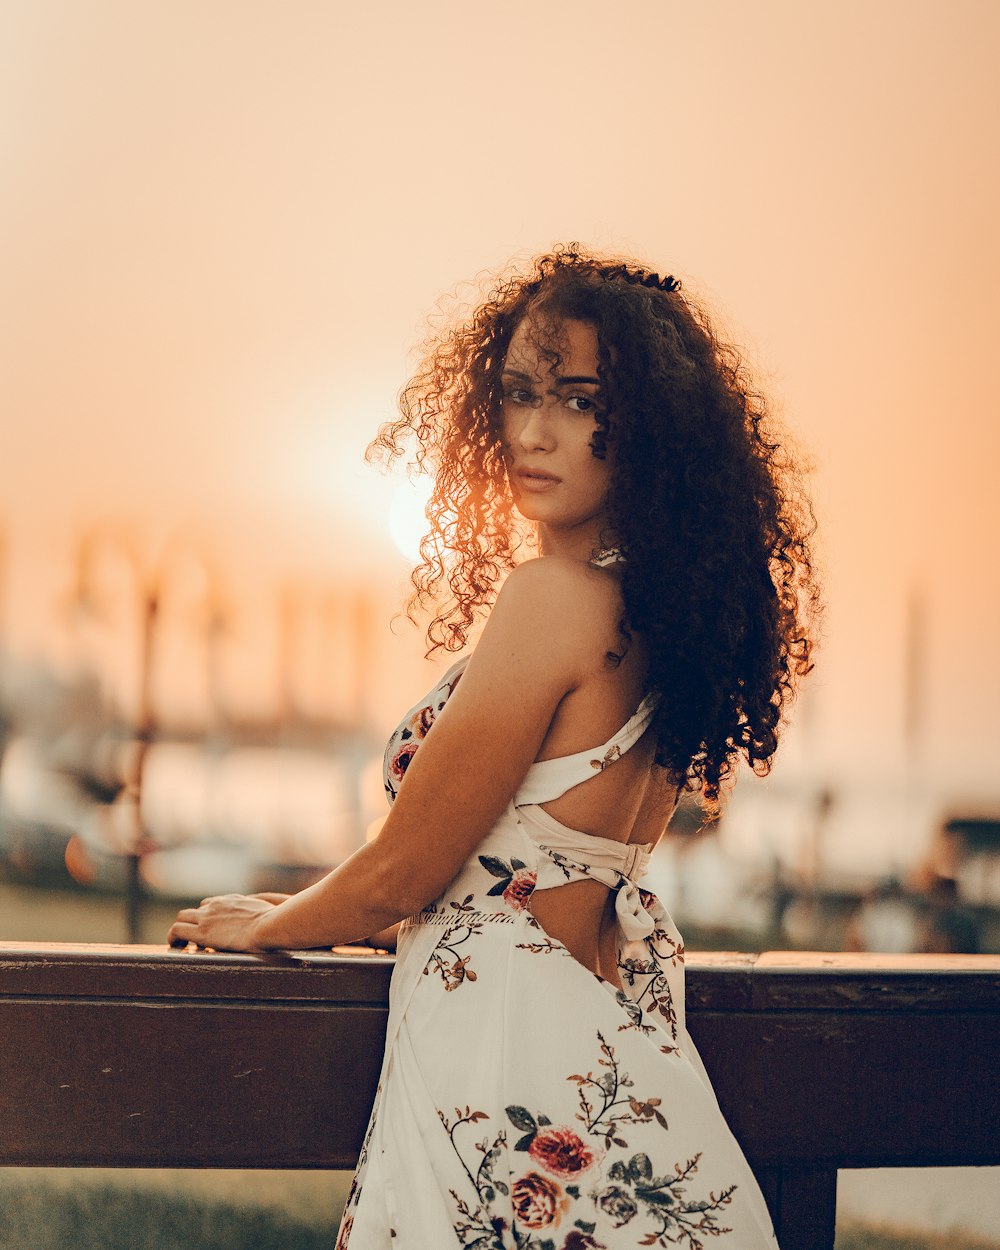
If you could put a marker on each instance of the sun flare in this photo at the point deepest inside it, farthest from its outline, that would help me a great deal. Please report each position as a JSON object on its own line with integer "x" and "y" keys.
{"x": 407, "y": 516}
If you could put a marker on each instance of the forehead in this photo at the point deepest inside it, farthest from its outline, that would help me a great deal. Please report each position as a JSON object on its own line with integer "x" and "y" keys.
{"x": 565, "y": 347}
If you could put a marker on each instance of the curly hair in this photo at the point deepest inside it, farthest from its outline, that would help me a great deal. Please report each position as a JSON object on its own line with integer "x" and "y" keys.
{"x": 705, "y": 504}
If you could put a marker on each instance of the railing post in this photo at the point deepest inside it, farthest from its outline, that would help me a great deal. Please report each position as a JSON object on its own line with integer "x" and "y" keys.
{"x": 803, "y": 1206}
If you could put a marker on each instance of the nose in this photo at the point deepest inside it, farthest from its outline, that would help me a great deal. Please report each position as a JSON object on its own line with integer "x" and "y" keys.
{"x": 535, "y": 430}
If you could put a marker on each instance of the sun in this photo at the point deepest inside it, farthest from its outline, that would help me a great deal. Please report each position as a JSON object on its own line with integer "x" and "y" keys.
{"x": 407, "y": 516}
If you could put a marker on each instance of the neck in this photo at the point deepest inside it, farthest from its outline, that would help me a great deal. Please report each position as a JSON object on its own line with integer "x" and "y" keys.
{"x": 579, "y": 543}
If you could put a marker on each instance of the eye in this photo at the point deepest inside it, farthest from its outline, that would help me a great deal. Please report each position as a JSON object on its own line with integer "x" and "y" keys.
{"x": 582, "y": 403}
{"x": 519, "y": 395}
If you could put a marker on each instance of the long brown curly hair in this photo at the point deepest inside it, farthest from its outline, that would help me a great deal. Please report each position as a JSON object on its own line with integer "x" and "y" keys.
{"x": 706, "y": 505}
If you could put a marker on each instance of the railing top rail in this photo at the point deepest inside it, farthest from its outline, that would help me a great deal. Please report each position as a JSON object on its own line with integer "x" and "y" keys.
{"x": 716, "y": 981}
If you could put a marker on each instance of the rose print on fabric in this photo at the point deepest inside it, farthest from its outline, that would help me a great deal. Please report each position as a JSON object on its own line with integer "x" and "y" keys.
{"x": 628, "y": 1187}
{"x": 516, "y": 880}
{"x": 560, "y": 1151}
{"x": 403, "y": 744}
{"x": 537, "y": 1200}
{"x": 400, "y": 760}
{"x": 521, "y": 887}
{"x": 619, "y": 1204}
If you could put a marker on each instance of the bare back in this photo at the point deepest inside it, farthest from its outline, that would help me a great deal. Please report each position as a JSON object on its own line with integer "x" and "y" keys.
{"x": 630, "y": 802}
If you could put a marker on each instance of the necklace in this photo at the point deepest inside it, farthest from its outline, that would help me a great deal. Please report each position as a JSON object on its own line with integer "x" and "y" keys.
{"x": 607, "y": 555}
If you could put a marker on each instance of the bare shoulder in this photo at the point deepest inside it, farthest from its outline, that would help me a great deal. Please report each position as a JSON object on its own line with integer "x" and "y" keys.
{"x": 553, "y": 615}
{"x": 550, "y": 583}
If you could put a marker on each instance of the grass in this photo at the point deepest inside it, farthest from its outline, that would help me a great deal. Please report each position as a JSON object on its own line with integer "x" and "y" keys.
{"x": 109, "y": 1217}
{"x": 51, "y": 1209}
{"x": 862, "y": 1237}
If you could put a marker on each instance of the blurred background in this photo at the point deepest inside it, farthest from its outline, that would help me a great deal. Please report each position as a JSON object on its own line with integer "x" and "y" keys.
{"x": 223, "y": 228}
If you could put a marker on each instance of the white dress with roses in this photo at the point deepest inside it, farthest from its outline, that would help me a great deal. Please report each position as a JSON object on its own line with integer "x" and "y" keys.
{"x": 524, "y": 1101}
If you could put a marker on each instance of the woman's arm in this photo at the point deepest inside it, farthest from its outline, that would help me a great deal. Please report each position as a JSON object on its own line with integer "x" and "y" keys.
{"x": 538, "y": 644}
{"x": 385, "y": 939}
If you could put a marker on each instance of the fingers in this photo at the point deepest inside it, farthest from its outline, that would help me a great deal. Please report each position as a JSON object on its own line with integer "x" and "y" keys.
{"x": 181, "y": 934}
{"x": 184, "y": 930}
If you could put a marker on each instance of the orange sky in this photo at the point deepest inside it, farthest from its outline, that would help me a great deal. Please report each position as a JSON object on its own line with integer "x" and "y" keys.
{"x": 222, "y": 227}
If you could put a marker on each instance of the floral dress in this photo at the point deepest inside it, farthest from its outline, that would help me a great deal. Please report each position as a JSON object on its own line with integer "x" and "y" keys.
{"x": 524, "y": 1101}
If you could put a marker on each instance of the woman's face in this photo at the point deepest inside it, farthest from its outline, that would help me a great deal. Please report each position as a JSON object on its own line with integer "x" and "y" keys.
{"x": 548, "y": 421}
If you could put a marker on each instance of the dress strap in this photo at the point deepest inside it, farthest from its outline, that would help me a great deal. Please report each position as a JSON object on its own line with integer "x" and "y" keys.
{"x": 546, "y": 780}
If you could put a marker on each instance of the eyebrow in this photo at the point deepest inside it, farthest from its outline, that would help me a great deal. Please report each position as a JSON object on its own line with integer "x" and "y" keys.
{"x": 574, "y": 380}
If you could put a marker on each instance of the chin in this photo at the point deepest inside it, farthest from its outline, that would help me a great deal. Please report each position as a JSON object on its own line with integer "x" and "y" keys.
{"x": 529, "y": 510}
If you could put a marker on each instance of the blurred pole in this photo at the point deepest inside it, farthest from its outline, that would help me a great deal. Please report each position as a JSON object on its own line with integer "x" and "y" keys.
{"x": 916, "y": 646}
{"x": 148, "y": 589}
{"x": 363, "y": 630}
{"x": 914, "y": 699}
{"x": 3, "y": 629}
{"x": 145, "y": 729}
{"x": 288, "y": 619}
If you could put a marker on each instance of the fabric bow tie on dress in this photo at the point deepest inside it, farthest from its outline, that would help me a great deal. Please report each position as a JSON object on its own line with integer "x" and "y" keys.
{"x": 635, "y": 920}
{"x": 618, "y": 865}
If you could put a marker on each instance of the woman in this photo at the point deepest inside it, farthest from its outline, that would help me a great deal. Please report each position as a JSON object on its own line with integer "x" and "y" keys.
{"x": 539, "y": 1088}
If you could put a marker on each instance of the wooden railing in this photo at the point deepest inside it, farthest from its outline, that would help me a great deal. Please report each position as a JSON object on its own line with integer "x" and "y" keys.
{"x": 139, "y": 1057}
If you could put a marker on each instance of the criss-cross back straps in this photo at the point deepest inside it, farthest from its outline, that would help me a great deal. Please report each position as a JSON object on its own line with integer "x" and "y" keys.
{"x": 577, "y": 856}
{"x": 546, "y": 780}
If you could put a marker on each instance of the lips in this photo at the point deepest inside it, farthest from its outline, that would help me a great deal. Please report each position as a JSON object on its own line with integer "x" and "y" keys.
{"x": 536, "y": 479}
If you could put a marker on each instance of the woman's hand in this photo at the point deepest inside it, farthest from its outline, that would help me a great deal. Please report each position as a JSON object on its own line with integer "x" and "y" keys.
{"x": 225, "y": 922}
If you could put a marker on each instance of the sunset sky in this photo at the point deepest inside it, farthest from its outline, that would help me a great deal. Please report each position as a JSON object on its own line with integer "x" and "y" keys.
{"x": 223, "y": 227}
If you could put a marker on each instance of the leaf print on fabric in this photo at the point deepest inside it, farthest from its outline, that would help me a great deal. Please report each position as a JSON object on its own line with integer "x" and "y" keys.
{"x": 609, "y": 757}
{"x": 477, "y": 1226}
{"x": 655, "y": 995}
{"x": 602, "y": 1110}
{"x": 627, "y": 1191}
{"x": 635, "y": 1014}
{"x": 456, "y": 971}
{"x": 600, "y": 1095}
{"x": 681, "y": 1220}
{"x": 420, "y": 722}
{"x": 567, "y": 866}
{"x": 545, "y": 947}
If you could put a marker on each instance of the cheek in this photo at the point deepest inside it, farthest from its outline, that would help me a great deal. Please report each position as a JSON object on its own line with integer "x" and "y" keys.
{"x": 600, "y": 471}
{"x": 506, "y": 428}
{"x": 603, "y": 483}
